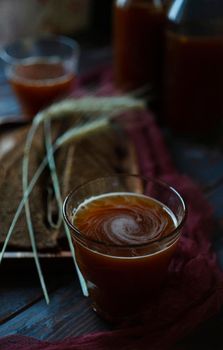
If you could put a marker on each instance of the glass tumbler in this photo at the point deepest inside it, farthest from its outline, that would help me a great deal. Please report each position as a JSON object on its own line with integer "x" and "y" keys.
{"x": 40, "y": 70}
{"x": 125, "y": 230}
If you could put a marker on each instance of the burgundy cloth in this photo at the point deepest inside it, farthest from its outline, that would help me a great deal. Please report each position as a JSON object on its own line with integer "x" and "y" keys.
{"x": 193, "y": 292}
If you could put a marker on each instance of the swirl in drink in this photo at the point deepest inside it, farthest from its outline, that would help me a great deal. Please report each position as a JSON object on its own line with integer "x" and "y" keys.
{"x": 124, "y": 219}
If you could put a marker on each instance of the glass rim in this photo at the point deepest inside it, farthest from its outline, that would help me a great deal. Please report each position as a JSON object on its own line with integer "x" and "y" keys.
{"x": 80, "y": 236}
{"x": 62, "y": 39}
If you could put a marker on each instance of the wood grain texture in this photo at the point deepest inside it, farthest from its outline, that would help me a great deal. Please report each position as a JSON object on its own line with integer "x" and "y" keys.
{"x": 20, "y": 287}
{"x": 68, "y": 314}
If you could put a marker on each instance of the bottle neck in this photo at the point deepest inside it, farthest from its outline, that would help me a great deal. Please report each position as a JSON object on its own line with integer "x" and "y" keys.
{"x": 198, "y": 18}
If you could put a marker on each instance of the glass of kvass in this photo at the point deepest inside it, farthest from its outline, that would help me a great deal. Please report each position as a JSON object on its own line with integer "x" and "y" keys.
{"x": 40, "y": 70}
{"x": 125, "y": 230}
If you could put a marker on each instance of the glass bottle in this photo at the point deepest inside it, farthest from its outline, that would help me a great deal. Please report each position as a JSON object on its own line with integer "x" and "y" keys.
{"x": 138, "y": 43}
{"x": 193, "y": 84}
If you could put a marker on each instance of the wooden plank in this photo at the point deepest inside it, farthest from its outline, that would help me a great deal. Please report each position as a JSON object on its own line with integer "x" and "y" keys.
{"x": 199, "y": 161}
{"x": 20, "y": 287}
{"x": 68, "y": 314}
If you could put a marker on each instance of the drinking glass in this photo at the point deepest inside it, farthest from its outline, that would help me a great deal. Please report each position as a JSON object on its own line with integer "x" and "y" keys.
{"x": 40, "y": 70}
{"x": 124, "y": 274}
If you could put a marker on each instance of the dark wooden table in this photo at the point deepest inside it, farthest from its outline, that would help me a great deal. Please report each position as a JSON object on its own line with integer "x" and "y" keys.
{"x": 22, "y": 307}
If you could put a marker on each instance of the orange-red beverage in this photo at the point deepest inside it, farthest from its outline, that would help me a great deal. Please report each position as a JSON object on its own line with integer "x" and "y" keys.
{"x": 193, "y": 70}
{"x": 39, "y": 83}
{"x": 193, "y": 83}
{"x": 124, "y": 242}
{"x": 138, "y": 43}
{"x": 40, "y": 70}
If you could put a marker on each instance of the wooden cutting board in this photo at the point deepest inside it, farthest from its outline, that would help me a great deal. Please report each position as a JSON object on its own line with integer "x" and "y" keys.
{"x": 106, "y": 152}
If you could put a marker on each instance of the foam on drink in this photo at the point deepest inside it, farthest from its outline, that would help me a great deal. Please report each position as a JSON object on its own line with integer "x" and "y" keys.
{"x": 124, "y": 219}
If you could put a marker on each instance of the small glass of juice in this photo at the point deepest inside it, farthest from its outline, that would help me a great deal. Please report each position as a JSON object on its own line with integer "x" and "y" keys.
{"x": 125, "y": 230}
{"x": 40, "y": 70}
